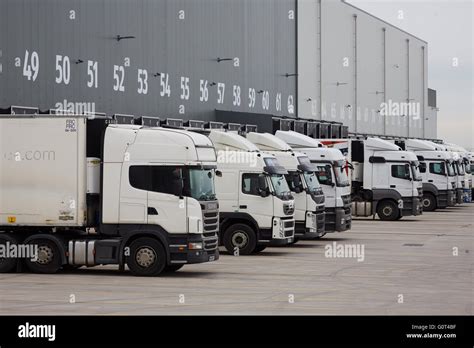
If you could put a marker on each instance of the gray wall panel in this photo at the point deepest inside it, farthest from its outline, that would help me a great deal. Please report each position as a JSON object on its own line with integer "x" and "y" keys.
{"x": 259, "y": 33}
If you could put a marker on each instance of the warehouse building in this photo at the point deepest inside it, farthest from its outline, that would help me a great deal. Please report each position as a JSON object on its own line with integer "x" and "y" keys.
{"x": 246, "y": 61}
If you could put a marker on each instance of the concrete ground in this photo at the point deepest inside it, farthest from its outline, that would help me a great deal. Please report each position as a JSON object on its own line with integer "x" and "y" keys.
{"x": 408, "y": 268}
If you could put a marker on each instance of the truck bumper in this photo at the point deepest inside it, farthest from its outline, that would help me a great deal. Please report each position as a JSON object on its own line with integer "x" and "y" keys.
{"x": 467, "y": 197}
{"x": 412, "y": 206}
{"x": 459, "y": 194}
{"x": 265, "y": 237}
{"x": 446, "y": 198}
{"x": 338, "y": 219}
{"x": 180, "y": 253}
{"x": 313, "y": 227}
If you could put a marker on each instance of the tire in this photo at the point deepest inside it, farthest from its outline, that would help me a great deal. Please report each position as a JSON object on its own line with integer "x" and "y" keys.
{"x": 147, "y": 257}
{"x": 7, "y": 265}
{"x": 429, "y": 202}
{"x": 259, "y": 248}
{"x": 241, "y": 236}
{"x": 48, "y": 258}
{"x": 388, "y": 211}
{"x": 172, "y": 268}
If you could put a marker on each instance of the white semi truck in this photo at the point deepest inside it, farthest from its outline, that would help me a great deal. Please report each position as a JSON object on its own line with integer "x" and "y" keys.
{"x": 302, "y": 180}
{"x": 439, "y": 184}
{"x": 463, "y": 171}
{"x": 86, "y": 192}
{"x": 331, "y": 174}
{"x": 385, "y": 180}
{"x": 256, "y": 206}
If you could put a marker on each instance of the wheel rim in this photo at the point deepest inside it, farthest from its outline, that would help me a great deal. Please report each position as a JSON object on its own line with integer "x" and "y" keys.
{"x": 145, "y": 257}
{"x": 240, "y": 239}
{"x": 45, "y": 255}
{"x": 387, "y": 211}
{"x": 426, "y": 203}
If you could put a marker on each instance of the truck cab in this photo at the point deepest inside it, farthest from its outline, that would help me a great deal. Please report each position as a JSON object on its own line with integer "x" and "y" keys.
{"x": 386, "y": 180}
{"x": 302, "y": 180}
{"x": 332, "y": 176}
{"x": 438, "y": 190}
{"x": 256, "y": 206}
{"x": 461, "y": 160}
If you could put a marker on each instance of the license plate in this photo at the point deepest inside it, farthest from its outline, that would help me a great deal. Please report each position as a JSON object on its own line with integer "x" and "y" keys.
{"x": 212, "y": 258}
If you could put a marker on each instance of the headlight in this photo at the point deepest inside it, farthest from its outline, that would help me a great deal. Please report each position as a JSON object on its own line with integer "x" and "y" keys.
{"x": 195, "y": 246}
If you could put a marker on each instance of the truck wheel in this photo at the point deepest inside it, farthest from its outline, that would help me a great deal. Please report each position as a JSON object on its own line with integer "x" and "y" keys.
{"x": 172, "y": 268}
{"x": 48, "y": 260}
{"x": 259, "y": 248}
{"x": 147, "y": 257}
{"x": 387, "y": 211}
{"x": 240, "y": 236}
{"x": 7, "y": 265}
{"x": 429, "y": 202}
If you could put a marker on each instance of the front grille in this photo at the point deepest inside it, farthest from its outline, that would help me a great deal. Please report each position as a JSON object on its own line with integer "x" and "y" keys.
{"x": 210, "y": 243}
{"x": 289, "y": 228}
{"x": 288, "y": 209}
{"x": 320, "y": 209}
{"x": 346, "y": 200}
{"x": 210, "y": 218}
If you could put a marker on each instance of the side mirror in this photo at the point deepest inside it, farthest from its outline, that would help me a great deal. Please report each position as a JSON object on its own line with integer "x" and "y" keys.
{"x": 219, "y": 173}
{"x": 264, "y": 193}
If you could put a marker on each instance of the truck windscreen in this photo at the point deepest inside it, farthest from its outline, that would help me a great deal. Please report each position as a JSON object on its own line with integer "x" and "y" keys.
{"x": 451, "y": 171}
{"x": 200, "y": 184}
{"x": 311, "y": 181}
{"x": 415, "y": 171}
{"x": 280, "y": 185}
{"x": 342, "y": 179}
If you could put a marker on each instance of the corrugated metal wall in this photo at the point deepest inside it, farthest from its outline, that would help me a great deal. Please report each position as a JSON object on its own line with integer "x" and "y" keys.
{"x": 178, "y": 39}
{"x": 328, "y": 58}
{"x": 365, "y": 62}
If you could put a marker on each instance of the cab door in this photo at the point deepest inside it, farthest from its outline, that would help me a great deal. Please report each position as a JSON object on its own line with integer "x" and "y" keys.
{"x": 133, "y": 195}
{"x": 251, "y": 202}
{"x": 401, "y": 179}
{"x": 437, "y": 174}
{"x": 166, "y": 205}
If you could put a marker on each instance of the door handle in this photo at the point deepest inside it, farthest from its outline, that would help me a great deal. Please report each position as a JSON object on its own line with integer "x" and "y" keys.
{"x": 242, "y": 207}
{"x": 152, "y": 211}
{"x": 430, "y": 180}
{"x": 393, "y": 186}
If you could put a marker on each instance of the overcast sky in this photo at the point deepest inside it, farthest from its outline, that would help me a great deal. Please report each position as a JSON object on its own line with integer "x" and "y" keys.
{"x": 447, "y": 26}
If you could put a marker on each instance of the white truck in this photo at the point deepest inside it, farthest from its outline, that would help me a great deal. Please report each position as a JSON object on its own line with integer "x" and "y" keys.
{"x": 256, "y": 206}
{"x": 302, "y": 180}
{"x": 439, "y": 184}
{"x": 331, "y": 174}
{"x": 463, "y": 171}
{"x": 385, "y": 180}
{"x": 86, "y": 192}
